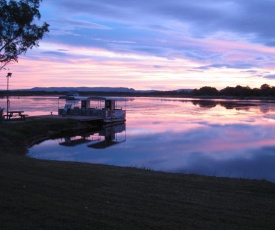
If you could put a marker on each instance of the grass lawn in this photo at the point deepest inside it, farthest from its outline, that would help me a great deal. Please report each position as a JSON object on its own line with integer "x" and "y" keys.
{"x": 38, "y": 194}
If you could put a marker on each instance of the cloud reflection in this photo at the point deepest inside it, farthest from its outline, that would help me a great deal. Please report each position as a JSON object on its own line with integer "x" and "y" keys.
{"x": 259, "y": 165}
{"x": 169, "y": 135}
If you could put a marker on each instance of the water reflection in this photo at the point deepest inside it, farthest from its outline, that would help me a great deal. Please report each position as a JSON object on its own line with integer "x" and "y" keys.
{"x": 221, "y": 138}
{"x": 111, "y": 136}
{"x": 226, "y": 104}
{"x": 106, "y": 137}
{"x": 33, "y": 105}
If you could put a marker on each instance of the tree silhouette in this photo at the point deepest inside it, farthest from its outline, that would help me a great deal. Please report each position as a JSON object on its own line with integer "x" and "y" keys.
{"x": 18, "y": 33}
{"x": 206, "y": 91}
{"x": 265, "y": 87}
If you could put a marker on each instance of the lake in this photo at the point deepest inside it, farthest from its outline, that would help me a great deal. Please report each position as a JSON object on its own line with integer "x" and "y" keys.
{"x": 224, "y": 138}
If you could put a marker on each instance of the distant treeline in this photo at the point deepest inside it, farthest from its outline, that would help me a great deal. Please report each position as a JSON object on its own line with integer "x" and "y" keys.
{"x": 207, "y": 91}
{"x": 239, "y": 91}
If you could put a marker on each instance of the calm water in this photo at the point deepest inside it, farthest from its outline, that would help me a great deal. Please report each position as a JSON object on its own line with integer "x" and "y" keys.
{"x": 32, "y": 105}
{"x": 220, "y": 138}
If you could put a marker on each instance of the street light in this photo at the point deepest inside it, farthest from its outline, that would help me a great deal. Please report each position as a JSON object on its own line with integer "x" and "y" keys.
{"x": 8, "y": 101}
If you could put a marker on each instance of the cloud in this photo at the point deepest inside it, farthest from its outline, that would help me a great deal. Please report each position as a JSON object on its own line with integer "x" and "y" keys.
{"x": 238, "y": 65}
{"x": 250, "y": 71}
{"x": 55, "y": 53}
{"x": 195, "y": 42}
{"x": 271, "y": 76}
{"x": 203, "y": 17}
{"x": 154, "y": 25}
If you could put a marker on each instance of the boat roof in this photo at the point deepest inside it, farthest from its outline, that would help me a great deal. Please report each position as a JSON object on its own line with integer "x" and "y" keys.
{"x": 89, "y": 98}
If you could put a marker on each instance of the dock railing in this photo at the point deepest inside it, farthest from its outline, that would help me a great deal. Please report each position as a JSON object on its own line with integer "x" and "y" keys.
{"x": 1, "y": 114}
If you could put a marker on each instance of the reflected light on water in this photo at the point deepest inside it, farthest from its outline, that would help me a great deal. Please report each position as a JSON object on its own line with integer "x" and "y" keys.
{"x": 33, "y": 106}
{"x": 221, "y": 138}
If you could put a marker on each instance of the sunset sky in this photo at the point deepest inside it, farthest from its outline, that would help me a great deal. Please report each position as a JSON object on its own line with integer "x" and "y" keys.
{"x": 154, "y": 44}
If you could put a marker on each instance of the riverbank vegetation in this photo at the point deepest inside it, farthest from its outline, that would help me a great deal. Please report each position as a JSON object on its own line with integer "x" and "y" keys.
{"x": 41, "y": 194}
{"x": 264, "y": 92}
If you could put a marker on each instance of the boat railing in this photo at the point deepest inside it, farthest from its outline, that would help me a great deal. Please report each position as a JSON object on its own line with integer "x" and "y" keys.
{"x": 118, "y": 113}
{"x": 103, "y": 113}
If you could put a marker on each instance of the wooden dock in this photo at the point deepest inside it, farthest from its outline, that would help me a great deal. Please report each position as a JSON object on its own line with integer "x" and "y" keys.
{"x": 96, "y": 121}
{"x": 91, "y": 120}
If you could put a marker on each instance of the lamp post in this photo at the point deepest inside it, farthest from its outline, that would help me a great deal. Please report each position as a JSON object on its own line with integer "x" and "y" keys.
{"x": 8, "y": 101}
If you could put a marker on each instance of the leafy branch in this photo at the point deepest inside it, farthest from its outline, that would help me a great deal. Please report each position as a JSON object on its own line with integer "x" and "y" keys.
{"x": 18, "y": 32}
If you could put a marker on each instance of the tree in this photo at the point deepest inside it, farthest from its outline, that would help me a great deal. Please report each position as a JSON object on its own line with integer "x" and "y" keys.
{"x": 18, "y": 32}
{"x": 266, "y": 90}
{"x": 265, "y": 87}
{"x": 206, "y": 91}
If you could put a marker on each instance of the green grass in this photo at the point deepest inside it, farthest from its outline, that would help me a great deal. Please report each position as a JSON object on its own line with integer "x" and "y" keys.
{"x": 39, "y": 194}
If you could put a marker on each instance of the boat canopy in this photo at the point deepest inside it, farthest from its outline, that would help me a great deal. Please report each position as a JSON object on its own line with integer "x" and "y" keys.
{"x": 109, "y": 109}
{"x": 93, "y": 98}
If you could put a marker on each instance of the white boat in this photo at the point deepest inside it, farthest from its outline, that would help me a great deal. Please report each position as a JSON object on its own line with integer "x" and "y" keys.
{"x": 110, "y": 110}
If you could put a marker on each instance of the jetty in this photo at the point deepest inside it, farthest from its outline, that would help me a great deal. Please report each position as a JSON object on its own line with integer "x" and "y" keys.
{"x": 87, "y": 109}
{"x": 91, "y": 120}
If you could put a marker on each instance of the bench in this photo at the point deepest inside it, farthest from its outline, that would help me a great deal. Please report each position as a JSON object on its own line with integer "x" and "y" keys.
{"x": 9, "y": 116}
{"x": 23, "y": 116}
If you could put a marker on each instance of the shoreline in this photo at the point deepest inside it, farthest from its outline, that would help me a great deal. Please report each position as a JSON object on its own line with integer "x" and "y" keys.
{"x": 119, "y": 94}
{"x": 68, "y": 195}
